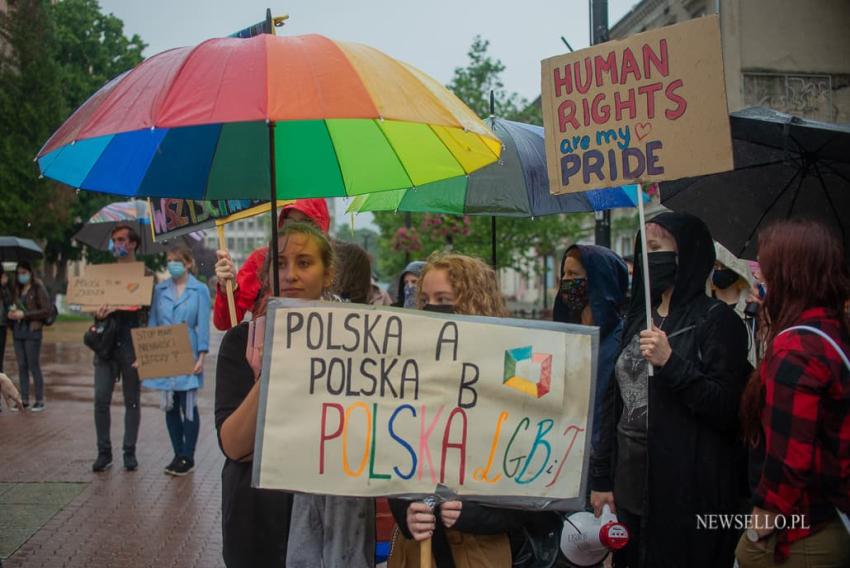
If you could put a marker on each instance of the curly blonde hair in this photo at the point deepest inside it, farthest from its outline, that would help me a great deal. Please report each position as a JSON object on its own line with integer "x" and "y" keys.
{"x": 473, "y": 282}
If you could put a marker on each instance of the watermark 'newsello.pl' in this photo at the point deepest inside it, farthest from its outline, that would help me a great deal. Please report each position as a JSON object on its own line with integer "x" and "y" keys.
{"x": 717, "y": 521}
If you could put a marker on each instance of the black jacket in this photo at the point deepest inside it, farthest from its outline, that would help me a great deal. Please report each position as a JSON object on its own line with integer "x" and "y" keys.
{"x": 696, "y": 463}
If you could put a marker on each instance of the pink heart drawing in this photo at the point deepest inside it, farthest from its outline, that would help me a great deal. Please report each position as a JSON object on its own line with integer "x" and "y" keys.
{"x": 642, "y": 129}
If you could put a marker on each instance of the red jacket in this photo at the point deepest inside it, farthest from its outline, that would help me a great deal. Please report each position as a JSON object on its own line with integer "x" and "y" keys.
{"x": 248, "y": 280}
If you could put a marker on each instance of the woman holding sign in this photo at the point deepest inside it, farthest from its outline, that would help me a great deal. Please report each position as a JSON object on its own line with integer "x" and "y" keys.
{"x": 182, "y": 299}
{"x": 256, "y": 522}
{"x": 669, "y": 451}
{"x": 465, "y": 534}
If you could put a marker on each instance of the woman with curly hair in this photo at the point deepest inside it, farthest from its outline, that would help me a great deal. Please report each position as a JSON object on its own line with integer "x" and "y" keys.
{"x": 464, "y": 534}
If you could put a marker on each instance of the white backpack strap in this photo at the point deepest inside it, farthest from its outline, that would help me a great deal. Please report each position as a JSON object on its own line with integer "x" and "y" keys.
{"x": 825, "y": 336}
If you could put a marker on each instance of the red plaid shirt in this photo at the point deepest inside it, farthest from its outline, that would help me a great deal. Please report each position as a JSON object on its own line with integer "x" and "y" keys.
{"x": 806, "y": 423}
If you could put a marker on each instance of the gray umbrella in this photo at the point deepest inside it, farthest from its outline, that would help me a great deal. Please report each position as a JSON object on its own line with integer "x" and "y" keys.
{"x": 15, "y": 249}
{"x": 785, "y": 167}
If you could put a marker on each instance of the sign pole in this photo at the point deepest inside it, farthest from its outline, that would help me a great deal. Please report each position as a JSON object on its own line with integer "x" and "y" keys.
{"x": 425, "y": 553}
{"x": 644, "y": 261}
{"x": 231, "y": 302}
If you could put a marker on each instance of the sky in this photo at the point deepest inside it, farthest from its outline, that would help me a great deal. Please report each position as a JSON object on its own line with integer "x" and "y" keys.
{"x": 433, "y": 35}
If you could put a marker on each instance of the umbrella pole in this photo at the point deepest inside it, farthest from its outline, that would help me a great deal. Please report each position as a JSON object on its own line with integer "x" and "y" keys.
{"x": 493, "y": 242}
{"x": 425, "y": 553}
{"x": 231, "y": 302}
{"x": 644, "y": 262}
{"x": 273, "y": 184}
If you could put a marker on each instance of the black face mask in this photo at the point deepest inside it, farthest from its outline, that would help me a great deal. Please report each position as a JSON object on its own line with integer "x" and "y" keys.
{"x": 662, "y": 273}
{"x": 439, "y": 308}
{"x": 724, "y": 277}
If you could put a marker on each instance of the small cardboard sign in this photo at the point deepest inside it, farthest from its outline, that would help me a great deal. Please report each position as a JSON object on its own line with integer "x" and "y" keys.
{"x": 649, "y": 108}
{"x": 116, "y": 285}
{"x": 163, "y": 351}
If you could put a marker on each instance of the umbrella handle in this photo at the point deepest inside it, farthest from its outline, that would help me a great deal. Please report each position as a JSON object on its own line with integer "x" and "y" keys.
{"x": 228, "y": 287}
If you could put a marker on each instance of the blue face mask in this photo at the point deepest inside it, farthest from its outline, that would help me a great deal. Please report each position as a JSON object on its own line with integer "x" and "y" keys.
{"x": 118, "y": 251}
{"x": 176, "y": 268}
{"x": 23, "y": 279}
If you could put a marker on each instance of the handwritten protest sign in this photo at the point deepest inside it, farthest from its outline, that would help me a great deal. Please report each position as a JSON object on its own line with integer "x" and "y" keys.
{"x": 175, "y": 217}
{"x": 163, "y": 351}
{"x": 651, "y": 107}
{"x": 367, "y": 402}
{"x": 118, "y": 285}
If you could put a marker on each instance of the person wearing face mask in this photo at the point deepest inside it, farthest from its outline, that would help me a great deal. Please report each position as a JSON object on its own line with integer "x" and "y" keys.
{"x": 464, "y": 534}
{"x": 406, "y": 295}
{"x": 668, "y": 447}
{"x": 592, "y": 292}
{"x": 31, "y": 307}
{"x": 182, "y": 299}
{"x": 119, "y": 364}
{"x": 730, "y": 283}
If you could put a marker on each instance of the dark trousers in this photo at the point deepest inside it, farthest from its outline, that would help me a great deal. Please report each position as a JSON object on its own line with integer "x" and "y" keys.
{"x": 183, "y": 432}
{"x": 106, "y": 373}
{"x": 28, "y": 353}
{"x": 629, "y": 556}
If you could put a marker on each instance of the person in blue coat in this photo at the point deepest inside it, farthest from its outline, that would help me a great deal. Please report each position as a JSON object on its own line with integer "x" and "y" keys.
{"x": 182, "y": 299}
{"x": 592, "y": 291}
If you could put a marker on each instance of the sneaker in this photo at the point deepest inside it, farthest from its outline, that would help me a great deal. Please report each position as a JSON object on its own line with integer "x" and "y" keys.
{"x": 102, "y": 463}
{"x": 169, "y": 469}
{"x": 182, "y": 467}
{"x": 14, "y": 408}
{"x": 130, "y": 462}
{"x": 37, "y": 407}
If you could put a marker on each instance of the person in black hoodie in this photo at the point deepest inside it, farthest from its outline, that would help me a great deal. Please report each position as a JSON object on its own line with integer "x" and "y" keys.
{"x": 668, "y": 447}
{"x": 592, "y": 291}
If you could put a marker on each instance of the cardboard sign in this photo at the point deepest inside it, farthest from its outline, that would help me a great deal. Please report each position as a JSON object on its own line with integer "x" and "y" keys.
{"x": 366, "y": 401}
{"x": 175, "y": 217}
{"x": 163, "y": 351}
{"x": 648, "y": 108}
{"x": 121, "y": 284}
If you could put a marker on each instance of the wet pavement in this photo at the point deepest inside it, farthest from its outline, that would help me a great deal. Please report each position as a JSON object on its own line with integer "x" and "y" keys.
{"x": 55, "y": 512}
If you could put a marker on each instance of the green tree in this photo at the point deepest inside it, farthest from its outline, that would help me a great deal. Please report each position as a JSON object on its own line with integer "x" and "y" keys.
{"x": 366, "y": 238}
{"x": 521, "y": 243}
{"x": 59, "y": 54}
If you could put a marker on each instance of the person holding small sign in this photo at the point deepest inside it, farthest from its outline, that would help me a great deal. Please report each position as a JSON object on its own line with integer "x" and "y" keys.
{"x": 669, "y": 448}
{"x": 464, "y": 534}
{"x": 256, "y": 522}
{"x": 182, "y": 299}
{"x": 118, "y": 365}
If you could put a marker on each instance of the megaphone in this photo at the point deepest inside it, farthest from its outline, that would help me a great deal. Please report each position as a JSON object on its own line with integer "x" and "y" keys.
{"x": 586, "y": 541}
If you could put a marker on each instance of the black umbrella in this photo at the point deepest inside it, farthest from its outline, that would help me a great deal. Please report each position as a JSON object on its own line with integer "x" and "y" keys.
{"x": 15, "y": 249}
{"x": 785, "y": 167}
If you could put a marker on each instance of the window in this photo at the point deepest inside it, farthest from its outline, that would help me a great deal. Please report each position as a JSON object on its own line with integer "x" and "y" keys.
{"x": 230, "y": 243}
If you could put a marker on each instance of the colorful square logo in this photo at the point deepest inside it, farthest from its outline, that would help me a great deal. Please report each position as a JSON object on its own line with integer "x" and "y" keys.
{"x": 528, "y": 372}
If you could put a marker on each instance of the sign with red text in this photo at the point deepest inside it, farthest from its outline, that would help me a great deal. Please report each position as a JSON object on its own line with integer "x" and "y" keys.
{"x": 366, "y": 401}
{"x": 648, "y": 108}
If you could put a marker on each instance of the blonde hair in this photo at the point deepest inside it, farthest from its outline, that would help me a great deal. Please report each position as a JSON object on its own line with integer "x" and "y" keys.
{"x": 473, "y": 282}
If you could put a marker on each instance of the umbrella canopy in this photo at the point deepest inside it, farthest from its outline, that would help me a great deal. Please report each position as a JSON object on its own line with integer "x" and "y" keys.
{"x": 515, "y": 186}
{"x": 785, "y": 167}
{"x": 232, "y": 118}
{"x": 97, "y": 232}
{"x": 15, "y": 249}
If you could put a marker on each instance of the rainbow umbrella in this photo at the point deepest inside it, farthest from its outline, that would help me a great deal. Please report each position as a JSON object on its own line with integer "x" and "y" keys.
{"x": 286, "y": 117}
{"x": 97, "y": 232}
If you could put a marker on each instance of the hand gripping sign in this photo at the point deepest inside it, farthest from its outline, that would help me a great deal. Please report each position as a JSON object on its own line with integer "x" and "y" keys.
{"x": 366, "y": 401}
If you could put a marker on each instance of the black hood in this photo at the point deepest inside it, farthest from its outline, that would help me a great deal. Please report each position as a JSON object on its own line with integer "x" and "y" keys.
{"x": 695, "y": 261}
{"x": 607, "y": 279}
